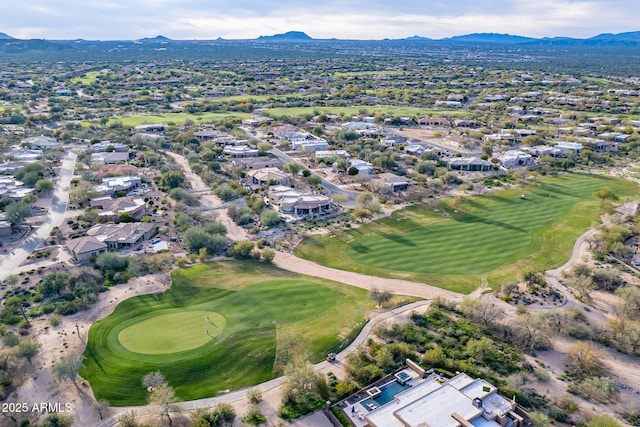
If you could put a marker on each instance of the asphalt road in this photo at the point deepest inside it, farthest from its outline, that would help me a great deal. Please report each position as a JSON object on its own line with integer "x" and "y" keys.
{"x": 329, "y": 186}
{"x": 55, "y": 216}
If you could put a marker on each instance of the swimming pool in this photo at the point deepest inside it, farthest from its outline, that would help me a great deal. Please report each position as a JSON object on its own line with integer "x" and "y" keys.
{"x": 387, "y": 393}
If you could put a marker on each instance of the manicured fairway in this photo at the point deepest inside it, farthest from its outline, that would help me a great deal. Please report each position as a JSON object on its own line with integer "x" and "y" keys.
{"x": 259, "y": 317}
{"x": 371, "y": 109}
{"x": 178, "y": 118}
{"x": 494, "y": 237}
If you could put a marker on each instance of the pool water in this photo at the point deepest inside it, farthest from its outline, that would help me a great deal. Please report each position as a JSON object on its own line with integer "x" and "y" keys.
{"x": 387, "y": 393}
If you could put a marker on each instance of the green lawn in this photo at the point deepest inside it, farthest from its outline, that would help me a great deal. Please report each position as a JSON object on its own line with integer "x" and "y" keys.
{"x": 371, "y": 110}
{"x": 177, "y": 118}
{"x": 90, "y": 77}
{"x": 494, "y": 237}
{"x": 259, "y": 316}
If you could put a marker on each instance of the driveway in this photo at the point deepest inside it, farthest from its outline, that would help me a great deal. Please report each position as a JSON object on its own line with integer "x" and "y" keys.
{"x": 55, "y": 217}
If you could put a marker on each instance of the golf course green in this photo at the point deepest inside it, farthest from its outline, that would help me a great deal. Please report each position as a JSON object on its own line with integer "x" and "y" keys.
{"x": 170, "y": 333}
{"x": 490, "y": 238}
{"x": 221, "y": 326}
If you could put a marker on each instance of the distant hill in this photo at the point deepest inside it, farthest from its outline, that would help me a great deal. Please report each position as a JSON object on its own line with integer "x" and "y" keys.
{"x": 490, "y": 38}
{"x": 156, "y": 39}
{"x": 4, "y": 36}
{"x": 288, "y": 36}
{"x": 622, "y": 37}
{"x": 416, "y": 39}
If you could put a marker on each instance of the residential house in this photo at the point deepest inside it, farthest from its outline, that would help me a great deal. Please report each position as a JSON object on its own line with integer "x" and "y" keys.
{"x": 310, "y": 145}
{"x": 209, "y": 135}
{"x": 238, "y": 151}
{"x": 110, "y": 158}
{"x": 258, "y": 162}
{"x": 515, "y": 158}
{"x": 543, "y": 150}
{"x": 41, "y": 142}
{"x": 306, "y": 205}
{"x": 124, "y": 235}
{"x": 108, "y": 146}
{"x": 436, "y": 402}
{"x": 152, "y": 128}
{"x": 28, "y": 156}
{"x": 566, "y": 146}
{"x": 395, "y": 183}
{"x": 12, "y": 167}
{"x": 83, "y": 249}
{"x": 470, "y": 164}
{"x": 11, "y": 188}
{"x": 111, "y": 208}
{"x": 128, "y": 184}
{"x": 500, "y": 137}
{"x": 5, "y": 228}
{"x": 468, "y": 124}
{"x": 256, "y": 122}
{"x": 416, "y": 149}
{"x": 285, "y": 132}
{"x": 364, "y": 168}
{"x": 324, "y": 154}
{"x": 433, "y": 121}
{"x": 269, "y": 176}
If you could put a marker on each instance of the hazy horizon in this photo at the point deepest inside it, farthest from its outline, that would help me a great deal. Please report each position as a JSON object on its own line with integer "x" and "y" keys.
{"x": 248, "y": 19}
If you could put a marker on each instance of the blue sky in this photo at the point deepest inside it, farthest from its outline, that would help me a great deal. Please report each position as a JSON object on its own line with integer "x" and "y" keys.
{"x": 376, "y": 19}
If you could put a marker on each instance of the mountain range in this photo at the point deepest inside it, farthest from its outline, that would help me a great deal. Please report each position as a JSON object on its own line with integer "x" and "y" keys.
{"x": 10, "y": 44}
{"x": 492, "y": 38}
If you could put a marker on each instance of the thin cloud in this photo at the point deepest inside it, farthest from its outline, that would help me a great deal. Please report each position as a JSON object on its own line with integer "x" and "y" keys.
{"x": 206, "y": 19}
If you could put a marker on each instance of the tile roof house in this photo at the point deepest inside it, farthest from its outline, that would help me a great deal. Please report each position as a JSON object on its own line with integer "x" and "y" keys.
{"x": 258, "y": 162}
{"x": 119, "y": 183}
{"x": 110, "y": 158}
{"x": 124, "y": 235}
{"x": 266, "y": 175}
{"x": 471, "y": 164}
{"x": 515, "y": 158}
{"x": 306, "y": 205}
{"x": 84, "y": 248}
{"x": 41, "y": 142}
{"x": 111, "y": 208}
{"x": 396, "y": 183}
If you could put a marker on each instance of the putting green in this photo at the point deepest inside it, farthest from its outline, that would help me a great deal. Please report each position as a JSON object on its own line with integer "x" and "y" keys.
{"x": 173, "y": 332}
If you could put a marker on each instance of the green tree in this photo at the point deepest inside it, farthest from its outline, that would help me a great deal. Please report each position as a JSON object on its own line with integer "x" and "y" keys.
{"x": 53, "y": 284}
{"x": 172, "y": 179}
{"x": 366, "y": 199}
{"x": 603, "y": 421}
{"x": 109, "y": 261}
{"x": 164, "y": 397}
{"x": 269, "y": 218}
{"x": 243, "y": 249}
{"x": 314, "y": 180}
{"x": 153, "y": 380}
{"x": 57, "y": 420}
{"x": 585, "y": 360}
{"x": 44, "y": 186}
{"x": 293, "y": 168}
{"x": 28, "y": 349}
{"x": 197, "y": 237}
{"x": 268, "y": 255}
{"x": 342, "y": 165}
{"x": 380, "y": 297}
{"x": 605, "y": 194}
{"x": 17, "y": 212}
{"x": 68, "y": 366}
